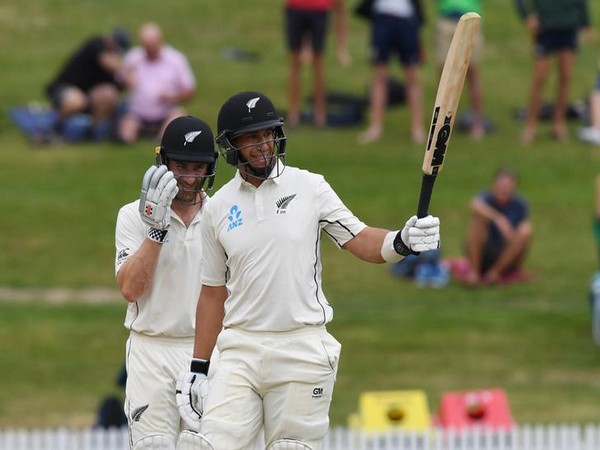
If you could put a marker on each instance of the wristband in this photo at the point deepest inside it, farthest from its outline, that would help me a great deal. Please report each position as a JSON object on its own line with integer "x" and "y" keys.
{"x": 199, "y": 366}
{"x": 388, "y": 250}
{"x": 159, "y": 236}
{"x": 400, "y": 247}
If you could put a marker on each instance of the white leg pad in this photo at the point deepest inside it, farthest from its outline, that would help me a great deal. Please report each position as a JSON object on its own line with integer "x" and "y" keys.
{"x": 156, "y": 442}
{"x": 289, "y": 444}
{"x": 188, "y": 440}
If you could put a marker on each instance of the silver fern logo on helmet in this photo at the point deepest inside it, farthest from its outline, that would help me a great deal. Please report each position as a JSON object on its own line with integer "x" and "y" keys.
{"x": 252, "y": 103}
{"x": 189, "y": 137}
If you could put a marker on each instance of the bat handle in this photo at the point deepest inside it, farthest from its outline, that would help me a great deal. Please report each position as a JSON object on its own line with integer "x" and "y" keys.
{"x": 425, "y": 195}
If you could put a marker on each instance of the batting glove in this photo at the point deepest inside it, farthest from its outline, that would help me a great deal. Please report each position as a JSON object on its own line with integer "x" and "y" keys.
{"x": 159, "y": 188}
{"x": 190, "y": 391}
{"x": 418, "y": 235}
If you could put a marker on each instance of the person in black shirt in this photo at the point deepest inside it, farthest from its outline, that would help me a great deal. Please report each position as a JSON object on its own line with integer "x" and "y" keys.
{"x": 87, "y": 81}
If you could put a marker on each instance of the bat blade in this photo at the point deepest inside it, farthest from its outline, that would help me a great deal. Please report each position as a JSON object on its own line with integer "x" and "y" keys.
{"x": 446, "y": 103}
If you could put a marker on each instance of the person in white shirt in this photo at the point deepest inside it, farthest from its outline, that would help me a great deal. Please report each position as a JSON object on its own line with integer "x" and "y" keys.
{"x": 158, "y": 266}
{"x": 395, "y": 33}
{"x": 262, "y": 301}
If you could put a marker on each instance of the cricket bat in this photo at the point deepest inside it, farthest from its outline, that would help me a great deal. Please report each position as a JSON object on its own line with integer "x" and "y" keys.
{"x": 446, "y": 104}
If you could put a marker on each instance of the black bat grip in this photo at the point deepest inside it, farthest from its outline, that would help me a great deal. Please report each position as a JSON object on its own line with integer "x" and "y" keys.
{"x": 425, "y": 195}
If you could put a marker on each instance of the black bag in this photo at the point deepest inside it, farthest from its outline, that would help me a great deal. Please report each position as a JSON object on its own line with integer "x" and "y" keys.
{"x": 364, "y": 9}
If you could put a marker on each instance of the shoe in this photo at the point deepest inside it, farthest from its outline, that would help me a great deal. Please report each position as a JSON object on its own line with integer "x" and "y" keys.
{"x": 590, "y": 135}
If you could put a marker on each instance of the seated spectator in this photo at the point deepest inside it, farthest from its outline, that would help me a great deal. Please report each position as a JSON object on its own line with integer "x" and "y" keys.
{"x": 159, "y": 80}
{"x": 88, "y": 82}
{"x": 499, "y": 232}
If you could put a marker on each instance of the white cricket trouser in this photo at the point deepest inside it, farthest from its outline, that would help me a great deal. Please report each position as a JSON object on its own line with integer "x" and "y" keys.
{"x": 283, "y": 380}
{"x": 153, "y": 366}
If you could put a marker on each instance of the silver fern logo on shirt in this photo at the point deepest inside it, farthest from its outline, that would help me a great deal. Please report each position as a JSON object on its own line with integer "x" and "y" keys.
{"x": 283, "y": 203}
{"x": 136, "y": 414}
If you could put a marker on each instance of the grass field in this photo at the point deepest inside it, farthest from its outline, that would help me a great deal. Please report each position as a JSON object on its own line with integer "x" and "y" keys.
{"x": 59, "y": 207}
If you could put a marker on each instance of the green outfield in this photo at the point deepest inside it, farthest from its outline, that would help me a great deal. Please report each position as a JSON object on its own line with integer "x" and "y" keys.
{"x": 59, "y": 204}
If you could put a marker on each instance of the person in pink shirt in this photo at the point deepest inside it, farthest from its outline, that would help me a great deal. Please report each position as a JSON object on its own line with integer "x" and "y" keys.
{"x": 159, "y": 80}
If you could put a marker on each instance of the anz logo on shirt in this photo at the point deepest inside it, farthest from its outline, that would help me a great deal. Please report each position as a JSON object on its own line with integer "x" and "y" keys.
{"x": 234, "y": 218}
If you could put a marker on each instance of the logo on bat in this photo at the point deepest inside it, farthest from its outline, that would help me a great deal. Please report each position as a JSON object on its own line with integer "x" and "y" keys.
{"x": 441, "y": 141}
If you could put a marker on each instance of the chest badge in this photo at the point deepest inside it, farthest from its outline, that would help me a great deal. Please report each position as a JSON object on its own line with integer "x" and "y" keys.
{"x": 283, "y": 203}
{"x": 234, "y": 218}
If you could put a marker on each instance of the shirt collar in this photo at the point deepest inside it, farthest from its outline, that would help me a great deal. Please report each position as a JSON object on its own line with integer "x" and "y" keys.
{"x": 240, "y": 182}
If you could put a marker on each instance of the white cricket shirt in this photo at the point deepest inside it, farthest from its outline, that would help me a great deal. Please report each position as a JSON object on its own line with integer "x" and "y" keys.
{"x": 168, "y": 308}
{"x": 264, "y": 245}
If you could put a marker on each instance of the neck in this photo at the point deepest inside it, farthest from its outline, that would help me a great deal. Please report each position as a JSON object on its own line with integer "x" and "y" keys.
{"x": 256, "y": 182}
{"x": 186, "y": 211}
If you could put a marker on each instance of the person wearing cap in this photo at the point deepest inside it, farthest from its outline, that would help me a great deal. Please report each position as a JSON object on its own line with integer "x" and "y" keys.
{"x": 157, "y": 265}
{"x": 262, "y": 303}
{"x": 159, "y": 82}
{"x": 88, "y": 81}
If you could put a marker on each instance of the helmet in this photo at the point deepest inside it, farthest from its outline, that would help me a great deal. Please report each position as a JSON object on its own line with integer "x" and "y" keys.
{"x": 189, "y": 139}
{"x": 246, "y": 112}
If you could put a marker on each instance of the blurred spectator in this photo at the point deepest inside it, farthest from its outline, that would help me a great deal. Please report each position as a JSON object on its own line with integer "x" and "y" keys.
{"x": 111, "y": 409}
{"x": 395, "y": 28}
{"x": 449, "y": 13}
{"x": 554, "y": 27}
{"x": 499, "y": 232}
{"x": 596, "y": 218}
{"x": 306, "y": 26}
{"x": 87, "y": 82}
{"x": 591, "y": 133}
{"x": 159, "y": 80}
{"x": 427, "y": 269}
{"x": 594, "y": 289}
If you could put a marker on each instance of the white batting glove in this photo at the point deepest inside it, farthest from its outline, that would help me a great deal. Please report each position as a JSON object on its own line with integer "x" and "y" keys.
{"x": 159, "y": 188}
{"x": 418, "y": 235}
{"x": 190, "y": 391}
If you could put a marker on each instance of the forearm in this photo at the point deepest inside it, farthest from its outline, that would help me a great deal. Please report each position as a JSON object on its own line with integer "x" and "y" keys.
{"x": 138, "y": 271}
{"x": 367, "y": 244}
{"x": 485, "y": 211}
{"x": 209, "y": 320}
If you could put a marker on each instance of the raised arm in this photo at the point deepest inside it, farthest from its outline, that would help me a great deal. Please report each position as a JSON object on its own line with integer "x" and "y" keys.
{"x": 138, "y": 271}
{"x": 377, "y": 245}
{"x": 158, "y": 190}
